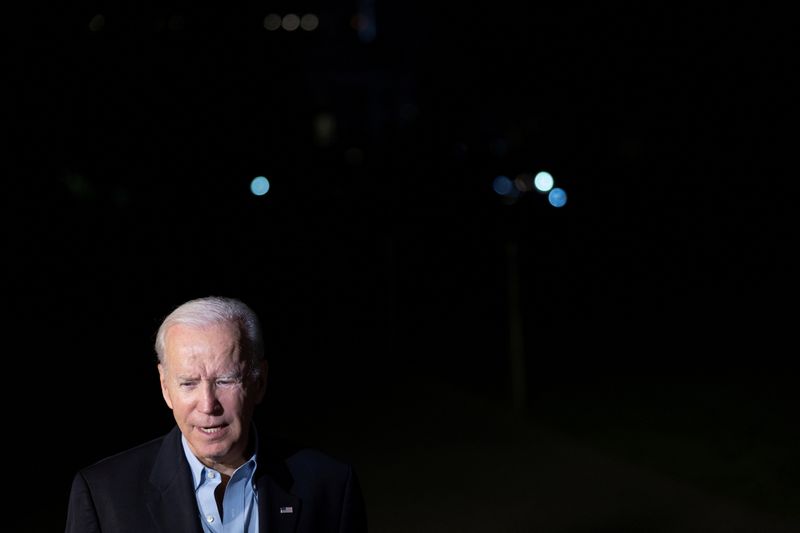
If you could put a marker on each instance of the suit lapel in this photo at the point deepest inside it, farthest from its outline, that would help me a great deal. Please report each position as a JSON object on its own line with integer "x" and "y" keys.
{"x": 278, "y": 509}
{"x": 171, "y": 498}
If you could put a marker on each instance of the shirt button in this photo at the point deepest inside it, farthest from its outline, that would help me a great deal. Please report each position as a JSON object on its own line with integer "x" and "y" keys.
{"x": 209, "y": 519}
{"x": 211, "y": 474}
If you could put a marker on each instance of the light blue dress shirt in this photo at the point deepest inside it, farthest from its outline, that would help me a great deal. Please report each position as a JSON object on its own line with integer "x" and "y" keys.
{"x": 240, "y": 503}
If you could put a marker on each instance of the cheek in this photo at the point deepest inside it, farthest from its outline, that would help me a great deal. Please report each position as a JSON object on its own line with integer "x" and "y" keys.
{"x": 233, "y": 403}
{"x": 181, "y": 404}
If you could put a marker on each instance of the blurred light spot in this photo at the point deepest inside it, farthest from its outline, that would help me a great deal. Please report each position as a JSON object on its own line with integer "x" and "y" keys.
{"x": 503, "y": 186}
{"x": 324, "y": 129}
{"x": 290, "y": 22}
{"x": 557, "y": 197}
{"x": 523, "y": 182}
{"x": 79, "y": 186}
{"x": 175, "y": 23}
{"x": 364, "y": 24}
{"x": 309, "y": 22}
{"x": 500, "y": 147}
{"x": 543, "y": 181}
{"x": 259, "y": 186}
{"x": 510, "y": 199}
{"x": 272, "y": 22}
{"x": 97, "y": 23}
{"x": 354, "y": 156}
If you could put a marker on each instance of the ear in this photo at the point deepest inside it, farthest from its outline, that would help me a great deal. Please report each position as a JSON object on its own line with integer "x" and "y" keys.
{"x": 162, "y": 375}
{"x": 261, "y": 383}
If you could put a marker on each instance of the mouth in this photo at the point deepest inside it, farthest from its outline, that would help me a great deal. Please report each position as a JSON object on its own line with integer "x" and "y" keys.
{"x": 212, "y": 431}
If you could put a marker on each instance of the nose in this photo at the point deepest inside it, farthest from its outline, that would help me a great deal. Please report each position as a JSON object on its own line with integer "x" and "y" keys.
{"x": 208, "y": 403}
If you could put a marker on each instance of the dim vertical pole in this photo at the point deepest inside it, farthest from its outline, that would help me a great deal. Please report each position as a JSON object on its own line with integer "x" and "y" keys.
{"x": 516, "y": 342}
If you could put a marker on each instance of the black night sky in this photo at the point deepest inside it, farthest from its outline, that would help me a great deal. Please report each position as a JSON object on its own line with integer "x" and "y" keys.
{"x": 382, "y": 262}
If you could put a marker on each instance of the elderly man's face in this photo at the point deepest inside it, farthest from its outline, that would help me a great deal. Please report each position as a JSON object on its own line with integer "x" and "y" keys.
{"x": 204, "y": 380}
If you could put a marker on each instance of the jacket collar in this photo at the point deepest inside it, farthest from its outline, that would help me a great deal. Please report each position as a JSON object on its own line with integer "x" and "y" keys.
{"x": 173, "y": 505}
{"x": 171, "y": 499}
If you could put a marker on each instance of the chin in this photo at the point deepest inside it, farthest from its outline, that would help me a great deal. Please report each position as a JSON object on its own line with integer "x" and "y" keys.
{"x": 216, "y": 451}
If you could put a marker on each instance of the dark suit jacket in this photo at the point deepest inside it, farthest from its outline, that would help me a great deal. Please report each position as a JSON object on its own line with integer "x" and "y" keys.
{"x": 149, "y": 489}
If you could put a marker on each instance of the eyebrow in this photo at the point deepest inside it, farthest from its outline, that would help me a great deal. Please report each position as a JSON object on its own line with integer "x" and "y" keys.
{"x": 231, "y": 375}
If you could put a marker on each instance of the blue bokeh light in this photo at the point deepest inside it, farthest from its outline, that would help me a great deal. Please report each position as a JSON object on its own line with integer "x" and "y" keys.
{"x": 259, "y": 186}
{"x": 557, "y": 197}
{"x": 502, "y": 185}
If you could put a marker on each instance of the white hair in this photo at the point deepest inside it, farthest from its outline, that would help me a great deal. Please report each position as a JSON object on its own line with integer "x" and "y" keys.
{"x": 213, "y": 310}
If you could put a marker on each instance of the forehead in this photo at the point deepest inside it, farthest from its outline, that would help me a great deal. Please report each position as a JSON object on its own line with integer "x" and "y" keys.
{"x": 216, "y": 345}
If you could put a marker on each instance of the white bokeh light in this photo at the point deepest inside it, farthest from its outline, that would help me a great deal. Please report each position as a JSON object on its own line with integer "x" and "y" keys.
{"x": 543, "y": 181}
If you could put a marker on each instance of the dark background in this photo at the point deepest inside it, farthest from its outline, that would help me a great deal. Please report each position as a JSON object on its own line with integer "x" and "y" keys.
{"x": 659, "y": 301}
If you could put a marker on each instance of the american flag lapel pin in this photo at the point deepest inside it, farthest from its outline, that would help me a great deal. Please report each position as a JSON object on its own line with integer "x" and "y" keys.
{"x": 286, "y": 510}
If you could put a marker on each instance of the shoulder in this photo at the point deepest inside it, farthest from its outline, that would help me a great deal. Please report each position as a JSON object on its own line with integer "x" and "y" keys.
{"x": 134, "y": 462}
{"x": 276, "y": 447}
{"x": 304, "y": 464}
{"x": 327, "y": 486}
{"x": 315, "y": 463}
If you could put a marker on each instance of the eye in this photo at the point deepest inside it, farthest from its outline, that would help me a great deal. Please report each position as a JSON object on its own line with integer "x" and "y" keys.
{"x": 187, "y": 384}
{"x": 226, "y": 382}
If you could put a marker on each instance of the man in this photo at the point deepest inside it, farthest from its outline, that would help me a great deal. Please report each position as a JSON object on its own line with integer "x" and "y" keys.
{"x": 213, "y": 472}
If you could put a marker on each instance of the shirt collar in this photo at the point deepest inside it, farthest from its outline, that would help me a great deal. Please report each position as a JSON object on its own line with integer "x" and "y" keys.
{"x": 199, "y": 469}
